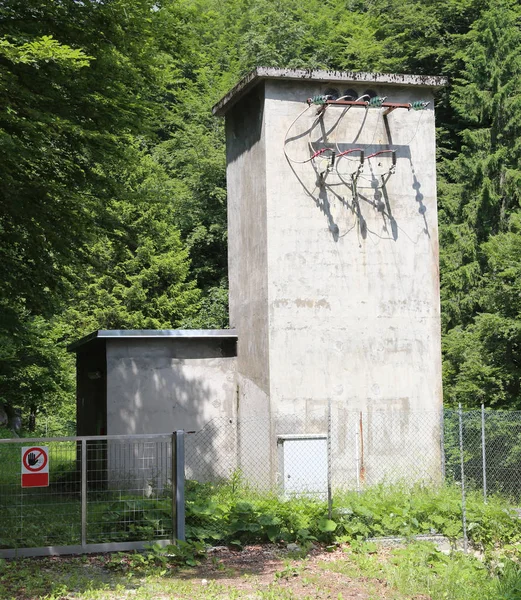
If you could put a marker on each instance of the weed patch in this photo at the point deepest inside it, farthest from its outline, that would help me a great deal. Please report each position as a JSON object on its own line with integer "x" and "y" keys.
{"x": 419, "y": 568}
{"x": 405, "y": 512}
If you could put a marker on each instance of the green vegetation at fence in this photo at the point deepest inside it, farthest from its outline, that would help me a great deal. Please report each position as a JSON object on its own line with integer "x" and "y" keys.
{"x": 237, "y": 515}
{"x": 234, "y": 515}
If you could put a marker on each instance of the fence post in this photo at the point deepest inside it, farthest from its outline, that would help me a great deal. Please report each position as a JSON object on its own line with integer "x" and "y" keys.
{"x": 463, "y": 506}
{"x": 357, "y": 455}
{"x": 329, "y": 462}
{"x": 442, "y": 444}
{"x": 178, "y": 486}
{"x": 483, "y": 448}
{"x": 83, "y": 492}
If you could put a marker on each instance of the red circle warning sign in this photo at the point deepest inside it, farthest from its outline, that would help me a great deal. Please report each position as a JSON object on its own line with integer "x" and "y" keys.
{"x": 35, "y": 466}
{"x": 34, "y": 459}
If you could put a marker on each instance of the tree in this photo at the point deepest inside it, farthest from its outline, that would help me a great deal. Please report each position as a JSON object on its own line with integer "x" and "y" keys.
{"x": 480, "y": 237}
{"x": 138, "y": 275}
{"x": 77, "y": 84}
{"x": 61, "y": 107}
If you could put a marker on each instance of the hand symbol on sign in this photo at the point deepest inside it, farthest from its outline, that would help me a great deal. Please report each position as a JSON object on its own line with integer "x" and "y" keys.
{"x": 31, "y": 459}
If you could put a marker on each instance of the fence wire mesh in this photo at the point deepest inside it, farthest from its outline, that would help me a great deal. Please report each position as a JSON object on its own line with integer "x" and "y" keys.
{"x": 125, "y": 485}
{"x": 39, "y": 516}
{"x": 128, "y": 483}
{"x": 129, "y": 490}
{"x": 294, "y": 454}
{"x": 491, "y": 450}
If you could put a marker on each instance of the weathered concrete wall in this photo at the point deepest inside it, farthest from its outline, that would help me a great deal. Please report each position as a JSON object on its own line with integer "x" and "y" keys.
{"x": 353, "y": 278}
{"x": 158, "y": 386}
{"x": 247, "y": 247}
{"x": 352, "y": 304}
{"x": 248, "y": 276}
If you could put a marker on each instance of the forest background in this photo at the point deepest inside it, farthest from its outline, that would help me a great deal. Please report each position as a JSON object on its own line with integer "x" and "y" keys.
{"x": 112, "y": 170}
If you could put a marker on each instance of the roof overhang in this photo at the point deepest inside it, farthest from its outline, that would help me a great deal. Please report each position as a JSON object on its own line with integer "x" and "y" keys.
{"x": 263, "y": 73}
{"x": 119, "y": 334}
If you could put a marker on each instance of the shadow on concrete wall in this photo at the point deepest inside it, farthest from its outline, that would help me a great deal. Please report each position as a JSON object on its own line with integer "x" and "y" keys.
{"x": 243, "y": 129}
{"x": 200, "y": 406}
{"x": 348, "y": 189}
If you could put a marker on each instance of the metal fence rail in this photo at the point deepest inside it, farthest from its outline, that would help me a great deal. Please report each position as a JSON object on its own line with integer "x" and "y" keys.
{"x": 104, "y": 493}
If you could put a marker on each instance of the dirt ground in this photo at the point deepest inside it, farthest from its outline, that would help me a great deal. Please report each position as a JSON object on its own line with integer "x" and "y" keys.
{"x": 266, "y": 572}
{"x": 263, "y": 572}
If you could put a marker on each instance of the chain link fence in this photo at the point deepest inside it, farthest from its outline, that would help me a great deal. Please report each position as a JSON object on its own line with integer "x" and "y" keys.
{"x": 331, "y": 451}
{"x": 336, "y": 449}
{"x": 346, "y": 449}
{"x": 491, "y": 450}
{"x": 119, "y": 490}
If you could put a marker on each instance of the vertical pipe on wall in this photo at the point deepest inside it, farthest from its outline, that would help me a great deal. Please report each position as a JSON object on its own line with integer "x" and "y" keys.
{"x": 362, "y": 463}
{"x": 357, "y": 456}
{"x": 178, "y": 485}
{"x": 442, "y": 444}
{"x": 329, "y": 462}
{"x": 174, "y": 487}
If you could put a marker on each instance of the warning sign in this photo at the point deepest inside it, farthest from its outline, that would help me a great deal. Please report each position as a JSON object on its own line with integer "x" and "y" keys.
{"x": 35, "y": 466}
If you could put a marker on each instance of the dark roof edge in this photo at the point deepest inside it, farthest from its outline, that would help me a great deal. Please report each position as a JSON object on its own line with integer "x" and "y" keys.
{"x": 152, "y": 333}
{"x": 260, "y": 73}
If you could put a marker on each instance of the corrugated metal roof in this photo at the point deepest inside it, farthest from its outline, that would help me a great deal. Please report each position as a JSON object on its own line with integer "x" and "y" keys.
{"x": 152, "y": 333}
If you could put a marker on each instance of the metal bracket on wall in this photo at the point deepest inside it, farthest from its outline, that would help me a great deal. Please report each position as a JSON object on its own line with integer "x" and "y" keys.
{"x": 389, "y": 106}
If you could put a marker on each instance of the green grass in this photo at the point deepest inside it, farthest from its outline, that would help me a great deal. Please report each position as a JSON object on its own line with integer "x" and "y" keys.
{"x": 103, "y": 578}
{"x": 419, "y": 568}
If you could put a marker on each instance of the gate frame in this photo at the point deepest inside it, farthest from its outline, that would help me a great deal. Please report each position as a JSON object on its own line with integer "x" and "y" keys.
{"x": 177, "y": 442}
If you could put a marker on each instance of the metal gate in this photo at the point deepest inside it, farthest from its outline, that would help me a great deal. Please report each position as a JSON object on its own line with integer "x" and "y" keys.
{"x": 105, "y": 493}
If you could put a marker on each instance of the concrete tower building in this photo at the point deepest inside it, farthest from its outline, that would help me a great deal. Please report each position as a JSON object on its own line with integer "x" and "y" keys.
{"x": 333, "y": 266}
{"x": 334, "y": 297}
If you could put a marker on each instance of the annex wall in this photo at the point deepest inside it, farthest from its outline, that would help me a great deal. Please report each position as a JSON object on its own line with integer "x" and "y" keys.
{"x": 159, "y": 386}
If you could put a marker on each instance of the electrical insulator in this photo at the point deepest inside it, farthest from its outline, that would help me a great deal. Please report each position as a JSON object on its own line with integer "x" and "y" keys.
{"x": 320, "y": 100}
{"x": 376, "y": 102}
{"x": 418, "y": 105}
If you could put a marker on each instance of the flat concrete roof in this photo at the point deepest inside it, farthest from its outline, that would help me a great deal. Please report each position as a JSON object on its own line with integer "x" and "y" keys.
{"x": 262, "y": 73}
{"x": 153, "y": 333}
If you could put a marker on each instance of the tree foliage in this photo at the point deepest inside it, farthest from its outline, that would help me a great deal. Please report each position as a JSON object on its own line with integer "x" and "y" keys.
{"x": 480, "y": 236}
{"x": 80, "y": 228}
{"x": 112, "y": 168}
